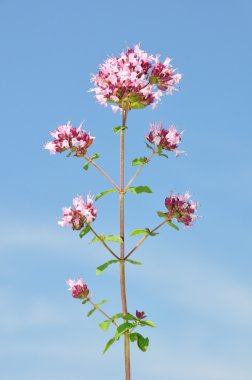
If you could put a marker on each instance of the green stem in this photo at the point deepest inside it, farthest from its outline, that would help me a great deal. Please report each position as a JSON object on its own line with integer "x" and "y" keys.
{"x": 138, "y": 171}
{"x": 103, "y": 242}
{"x": 103, "y": 312}
{"x": 102, "y": 172}
{"x": 143, "y": 239}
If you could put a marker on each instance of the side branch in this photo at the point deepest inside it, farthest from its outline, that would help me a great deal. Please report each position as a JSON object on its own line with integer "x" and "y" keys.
{"x": 143, "y": 239}
{"x": 103, "y": 312}
{"x": 138, "y": 170}
{"x": 103, "y": 242}
{"x": 102, "y": 172}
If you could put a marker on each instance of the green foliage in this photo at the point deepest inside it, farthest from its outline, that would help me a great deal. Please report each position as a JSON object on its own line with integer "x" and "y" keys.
{"x": 147, "y": 323}
{"x": 84, "y": 231}
{"x": 105, "y": 325}
{"x": 146, "y": 231}
{"x": 95, "y": 156}
{"x": 109, "y": 343}
{"x": 98, "y": 196}
{"x": 143, "y": 343}
{"x": 123, "y": 329}
{"x": 102, "y": 237}
{"x": 139, "y": 161}
{"x": 96, "y": 307}
{"x": 137, "y": 106}
{"x": 118, "y": 129}
{"x": 173, "y": 225}
{"x": 128, "y": 316}
{"x": 114, "y": 238}
{"x": 133, "y": 262}
{"x": 149, "y": 146}
{"x": 162, "y": 214}
{"x": 139, "y": 189}
{"x": 104, "y": 266}
{"x": 85, "y": 167}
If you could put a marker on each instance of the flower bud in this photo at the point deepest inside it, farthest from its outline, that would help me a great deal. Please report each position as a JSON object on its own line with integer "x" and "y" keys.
{"x": 78, "y": 288}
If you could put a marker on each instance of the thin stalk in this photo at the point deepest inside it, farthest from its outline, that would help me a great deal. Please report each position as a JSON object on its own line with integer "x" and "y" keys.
{"x": 103, "y": 312}
{"x": 143, "y": 239}
{"x": 103, "y": 242}
{"x": 102, "y": 172}
{"x": 138, "y": 170}
{"x": 122, "y": 246}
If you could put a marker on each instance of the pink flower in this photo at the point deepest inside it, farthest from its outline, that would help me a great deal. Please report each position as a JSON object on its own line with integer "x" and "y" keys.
{"x": 180, "y": 208}
{"x": 82, "y": 213}
{"x": 66, "y": 137}
{"x": 134, "y": 80}
{"x": 78, "y": 288}
{"x": 167, "y": 139}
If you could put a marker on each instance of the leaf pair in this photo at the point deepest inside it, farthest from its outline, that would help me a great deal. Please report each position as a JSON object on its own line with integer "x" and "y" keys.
{"x": 94, "y": 157}
{"x": 104, "y": 266}
{"x": 165, "y": 215}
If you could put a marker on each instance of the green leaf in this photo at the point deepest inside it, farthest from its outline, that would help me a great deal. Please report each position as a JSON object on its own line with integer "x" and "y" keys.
{"x": 164, "y": 155}
{"x": 132, "y": 99}
{"x": 85, "y": 167}
{"x": 104, "y": 266}
{"x": 138, "y": 232}
{"x": 137, "y": 106}
{"x": 151, "y": 233}
{"x": 96, "y": 239}
{"x": 127, "y": 316}
{"x": 118, "y": 129}
{"x": 105, "y": 325}
{"x": 101, "y": 303}
{"x": 147, "y": 323}
{"x": 162, "y": 214}
{"x": 139, "y": 161}
{"x": 98, "y": 196}
{"x": 122, "y": 329}
{"x": 109, "y": 343}
{"x": 69, "y": 154}
{"x": 95, "y": 156}
{"x": 140, "y": 189}
{"x": 84, "y": 231}
{"x": 149, "y": 146}
{"x": 173, "y": 225}
{"x": 85, "y": 301}
{"x": 143, "y": 343}
{"x": 91, "y": 312}
{"x": 114, "y": 238}
{"x": 133, "y": 262}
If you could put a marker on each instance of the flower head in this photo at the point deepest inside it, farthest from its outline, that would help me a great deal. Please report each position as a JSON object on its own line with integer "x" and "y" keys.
{"x": 134, "y": 80}
{"x": 78, "y": 288}
{"x": 140, "y": 314}
{"x": 167, "y": 139}
{"x": 82, "y": 213}
{"x": 66, "y": 137}
{"x": 180, "y": 208}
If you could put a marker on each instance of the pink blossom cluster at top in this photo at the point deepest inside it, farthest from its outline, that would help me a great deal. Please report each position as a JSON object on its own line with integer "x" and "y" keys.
{"x": 78, "y": 288}
{"x": 134, "y": 80}
{"x": 66, "y": 137}
{"x": 81, "y": 213}
{"x": 167, "y": 139}
{"x": 181, "y": 208}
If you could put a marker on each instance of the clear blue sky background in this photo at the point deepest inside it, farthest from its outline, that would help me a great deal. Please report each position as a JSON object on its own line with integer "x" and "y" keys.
{"x": 195, "y": 284}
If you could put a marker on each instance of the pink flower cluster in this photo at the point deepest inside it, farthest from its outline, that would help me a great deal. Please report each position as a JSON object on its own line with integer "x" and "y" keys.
{"x": 78, "y": 288}
{"x": 66, "y": 137}
{"x": 162, "y": 138}
{"x": 81, "y": 213}
{"x": 134, "y": 80}
{"x": 181, "y": 208}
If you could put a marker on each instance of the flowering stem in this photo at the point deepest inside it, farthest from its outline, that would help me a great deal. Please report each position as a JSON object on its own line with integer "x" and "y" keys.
{"x": 102, "y": 172}
{"x": 103, "y": 312}
{"x": 103, "y": 242}
{"x": 122, "y": 249}
{"x": 143, "y": 239}
{"x": 138, "y": 170}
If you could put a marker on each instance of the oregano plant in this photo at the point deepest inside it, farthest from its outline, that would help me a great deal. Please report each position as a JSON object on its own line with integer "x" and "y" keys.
{"x": 133, "y": 81}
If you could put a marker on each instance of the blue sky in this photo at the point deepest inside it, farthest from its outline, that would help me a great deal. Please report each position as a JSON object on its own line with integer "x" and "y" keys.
{"x": 196, "y": 284}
